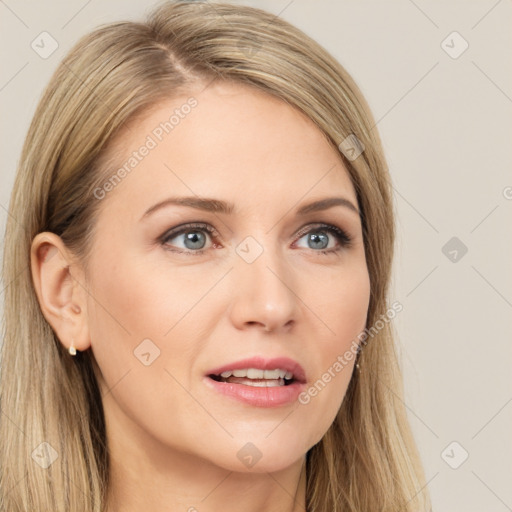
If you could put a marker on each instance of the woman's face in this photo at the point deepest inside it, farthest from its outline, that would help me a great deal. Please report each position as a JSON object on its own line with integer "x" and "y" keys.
{"x": 177, "y": 292}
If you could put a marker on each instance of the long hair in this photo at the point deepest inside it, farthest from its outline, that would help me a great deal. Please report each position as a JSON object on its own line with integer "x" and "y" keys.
{"x": 367, "y": 460}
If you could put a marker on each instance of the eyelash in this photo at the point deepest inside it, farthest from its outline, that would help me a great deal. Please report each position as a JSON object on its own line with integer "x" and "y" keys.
{"x": 345, "y": 241}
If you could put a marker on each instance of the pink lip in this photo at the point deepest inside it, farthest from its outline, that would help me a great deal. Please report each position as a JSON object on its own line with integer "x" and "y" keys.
{"x": 261, "y": 396}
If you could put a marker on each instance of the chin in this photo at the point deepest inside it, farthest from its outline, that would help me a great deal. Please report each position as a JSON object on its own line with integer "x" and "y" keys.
{"x": 261, "y": 457}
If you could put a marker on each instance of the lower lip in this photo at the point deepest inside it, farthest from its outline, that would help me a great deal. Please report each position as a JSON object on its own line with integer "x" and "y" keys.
{"x": 274, "y": 396}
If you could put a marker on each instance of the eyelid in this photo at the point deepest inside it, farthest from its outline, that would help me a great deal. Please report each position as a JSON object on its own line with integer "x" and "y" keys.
{"x": 188, "y": 226}
{"x": 331, "y": 228}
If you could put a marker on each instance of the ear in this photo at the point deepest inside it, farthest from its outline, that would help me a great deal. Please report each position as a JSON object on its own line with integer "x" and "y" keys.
{"x": 61, "y": 295}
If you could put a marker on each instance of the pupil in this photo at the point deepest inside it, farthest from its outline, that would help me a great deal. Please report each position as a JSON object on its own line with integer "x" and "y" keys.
{"x": 316, "y": 238}
{"x": 193, "y": 237}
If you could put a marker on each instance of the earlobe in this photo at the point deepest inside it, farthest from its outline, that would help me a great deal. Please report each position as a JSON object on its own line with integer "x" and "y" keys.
{"x": 60, "y": 297}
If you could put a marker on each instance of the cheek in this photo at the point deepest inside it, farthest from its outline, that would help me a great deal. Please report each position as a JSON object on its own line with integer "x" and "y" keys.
{"x": 139, "y": 313}
{"x": 139, "y": 326}
{"x": 342, "y": 307}
{"x": 344, "y": 317}
{"x": 126, "y": 306}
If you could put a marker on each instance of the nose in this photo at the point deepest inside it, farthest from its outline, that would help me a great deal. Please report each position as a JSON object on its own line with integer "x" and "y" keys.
{"x": 263, "y": 294}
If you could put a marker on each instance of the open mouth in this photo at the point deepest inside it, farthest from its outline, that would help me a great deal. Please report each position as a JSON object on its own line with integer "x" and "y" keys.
{"x": 259, "y": 382}
{"x": 256, "y": 377}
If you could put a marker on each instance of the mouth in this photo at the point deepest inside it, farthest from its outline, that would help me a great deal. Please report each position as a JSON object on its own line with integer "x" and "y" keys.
{"x": 256, "y": 377}
{"x": 259, "y": 382}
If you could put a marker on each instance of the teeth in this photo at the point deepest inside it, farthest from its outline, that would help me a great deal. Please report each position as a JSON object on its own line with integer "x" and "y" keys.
{"x": 265, "y": 384}
{"x": 255, "y": 373}
{"x": 252, "y": 373}
{"x": 271, "y": 374}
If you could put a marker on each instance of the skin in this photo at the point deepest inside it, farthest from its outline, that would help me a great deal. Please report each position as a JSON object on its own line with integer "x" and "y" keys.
{"x": 174, "y": 442}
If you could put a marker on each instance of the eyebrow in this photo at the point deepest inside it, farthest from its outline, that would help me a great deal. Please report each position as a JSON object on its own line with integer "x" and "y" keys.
{"x": 227, "y": 208}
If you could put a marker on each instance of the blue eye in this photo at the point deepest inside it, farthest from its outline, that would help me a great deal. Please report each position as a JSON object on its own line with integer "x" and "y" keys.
{"x": 195, "y": 238}
{"x": 319, "y": 239}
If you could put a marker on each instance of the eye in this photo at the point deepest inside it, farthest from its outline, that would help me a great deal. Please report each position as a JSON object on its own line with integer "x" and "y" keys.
{"x": 318, "y": 238}
{"x": 194, "y": 237}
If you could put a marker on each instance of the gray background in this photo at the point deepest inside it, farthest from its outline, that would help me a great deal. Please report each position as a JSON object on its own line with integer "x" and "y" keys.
{"x": 445, "y": 125}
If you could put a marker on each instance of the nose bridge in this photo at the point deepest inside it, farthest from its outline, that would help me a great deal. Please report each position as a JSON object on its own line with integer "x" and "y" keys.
{"x": 264, "y": 285}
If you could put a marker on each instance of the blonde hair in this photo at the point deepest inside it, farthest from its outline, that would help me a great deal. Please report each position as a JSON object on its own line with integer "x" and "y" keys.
{"x": 367, "y": 460}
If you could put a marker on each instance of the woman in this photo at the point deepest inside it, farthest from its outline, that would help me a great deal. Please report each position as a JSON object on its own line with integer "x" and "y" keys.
{"x": 206, "y": 214}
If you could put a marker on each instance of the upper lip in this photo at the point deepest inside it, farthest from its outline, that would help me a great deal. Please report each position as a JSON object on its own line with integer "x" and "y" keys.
{"x": 283, "y": 363}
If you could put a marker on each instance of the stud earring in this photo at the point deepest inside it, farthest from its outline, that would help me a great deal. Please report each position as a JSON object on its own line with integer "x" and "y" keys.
{"x": 72, "y": 349}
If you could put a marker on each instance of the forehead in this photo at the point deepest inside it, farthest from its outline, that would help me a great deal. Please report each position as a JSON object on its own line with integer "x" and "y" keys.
{"x": 228, "y": 140}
